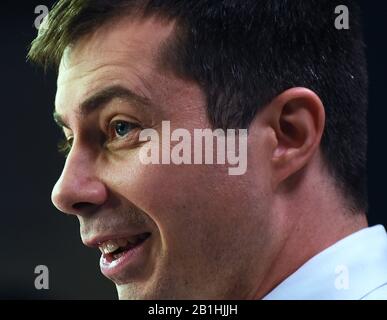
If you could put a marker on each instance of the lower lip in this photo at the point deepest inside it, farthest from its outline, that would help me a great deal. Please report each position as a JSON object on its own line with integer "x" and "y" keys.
{"x": 128, "y": 264}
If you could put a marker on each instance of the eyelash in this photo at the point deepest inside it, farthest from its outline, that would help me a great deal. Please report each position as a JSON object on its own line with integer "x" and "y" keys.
{"x": 65, "y": 145}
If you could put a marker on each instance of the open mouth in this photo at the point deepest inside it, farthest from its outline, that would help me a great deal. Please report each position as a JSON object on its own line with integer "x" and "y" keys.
{"x": 114, "y": 249}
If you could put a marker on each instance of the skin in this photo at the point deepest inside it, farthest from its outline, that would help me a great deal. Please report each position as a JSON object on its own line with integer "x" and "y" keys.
{"x": 214, "y": 236}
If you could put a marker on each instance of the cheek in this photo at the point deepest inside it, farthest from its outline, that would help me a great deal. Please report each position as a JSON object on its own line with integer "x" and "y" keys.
{"x": 191, "y": 197}
{"x": 176, "y": 196}
{"x": 191, "y": 204}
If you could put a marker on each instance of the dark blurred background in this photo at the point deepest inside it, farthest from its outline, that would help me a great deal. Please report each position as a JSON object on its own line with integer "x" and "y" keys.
{"x": 32, "y": 231}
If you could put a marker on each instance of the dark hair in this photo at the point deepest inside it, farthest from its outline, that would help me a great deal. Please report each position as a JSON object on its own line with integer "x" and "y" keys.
{"x": 243, "y": 53}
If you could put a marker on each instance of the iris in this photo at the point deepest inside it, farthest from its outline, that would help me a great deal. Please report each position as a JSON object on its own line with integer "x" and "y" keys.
{"x": 123, "y": 128}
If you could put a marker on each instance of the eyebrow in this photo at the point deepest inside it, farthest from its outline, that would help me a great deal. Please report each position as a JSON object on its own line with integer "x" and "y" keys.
{"x": 102, "y": 98}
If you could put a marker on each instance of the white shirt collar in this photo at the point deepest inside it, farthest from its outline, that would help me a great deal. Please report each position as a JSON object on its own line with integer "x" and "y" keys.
{"x": 350, "y": 269}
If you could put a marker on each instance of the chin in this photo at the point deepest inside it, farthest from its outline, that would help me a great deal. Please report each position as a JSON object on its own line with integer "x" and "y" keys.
{"x": 137, "y": 292}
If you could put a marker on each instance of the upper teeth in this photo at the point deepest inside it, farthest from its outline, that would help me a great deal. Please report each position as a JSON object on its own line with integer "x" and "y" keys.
{"x": 108, "y": 247}
{"x": 112, "y": 245}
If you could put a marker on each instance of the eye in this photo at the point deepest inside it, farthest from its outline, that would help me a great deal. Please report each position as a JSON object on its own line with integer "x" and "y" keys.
{"x": 64, "y": 146}
{"x": 120, "y": 128}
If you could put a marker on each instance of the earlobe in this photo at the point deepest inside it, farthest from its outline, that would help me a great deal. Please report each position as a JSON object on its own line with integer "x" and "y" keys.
{"x": 298, "y": 120}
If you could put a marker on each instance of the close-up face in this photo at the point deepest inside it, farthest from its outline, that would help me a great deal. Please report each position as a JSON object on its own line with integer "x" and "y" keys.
{"x": 193, "y": 150}
{"x": 166, "y": 230}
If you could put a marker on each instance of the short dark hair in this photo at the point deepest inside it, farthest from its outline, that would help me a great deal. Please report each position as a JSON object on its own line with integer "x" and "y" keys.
{"x": 243, "y": 53}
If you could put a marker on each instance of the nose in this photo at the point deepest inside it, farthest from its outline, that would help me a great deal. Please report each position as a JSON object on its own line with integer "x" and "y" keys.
{"x": 78, "y": 190}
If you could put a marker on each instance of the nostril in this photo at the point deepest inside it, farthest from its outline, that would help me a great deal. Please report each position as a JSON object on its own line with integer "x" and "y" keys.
{"x": 79, "y": 206}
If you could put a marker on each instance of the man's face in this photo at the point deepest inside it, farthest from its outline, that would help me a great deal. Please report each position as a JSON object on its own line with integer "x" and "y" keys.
{"x": 186, "y": 231}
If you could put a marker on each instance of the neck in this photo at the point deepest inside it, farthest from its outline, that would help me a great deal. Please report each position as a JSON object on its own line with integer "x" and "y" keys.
{"x": 310, "y": 222}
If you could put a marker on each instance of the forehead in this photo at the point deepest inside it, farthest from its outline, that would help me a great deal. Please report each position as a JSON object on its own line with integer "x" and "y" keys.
{"x": 123, "y": 52}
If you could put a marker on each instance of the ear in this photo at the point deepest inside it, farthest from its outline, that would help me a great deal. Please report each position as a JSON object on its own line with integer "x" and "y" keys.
{"x": 297, "y": 118}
